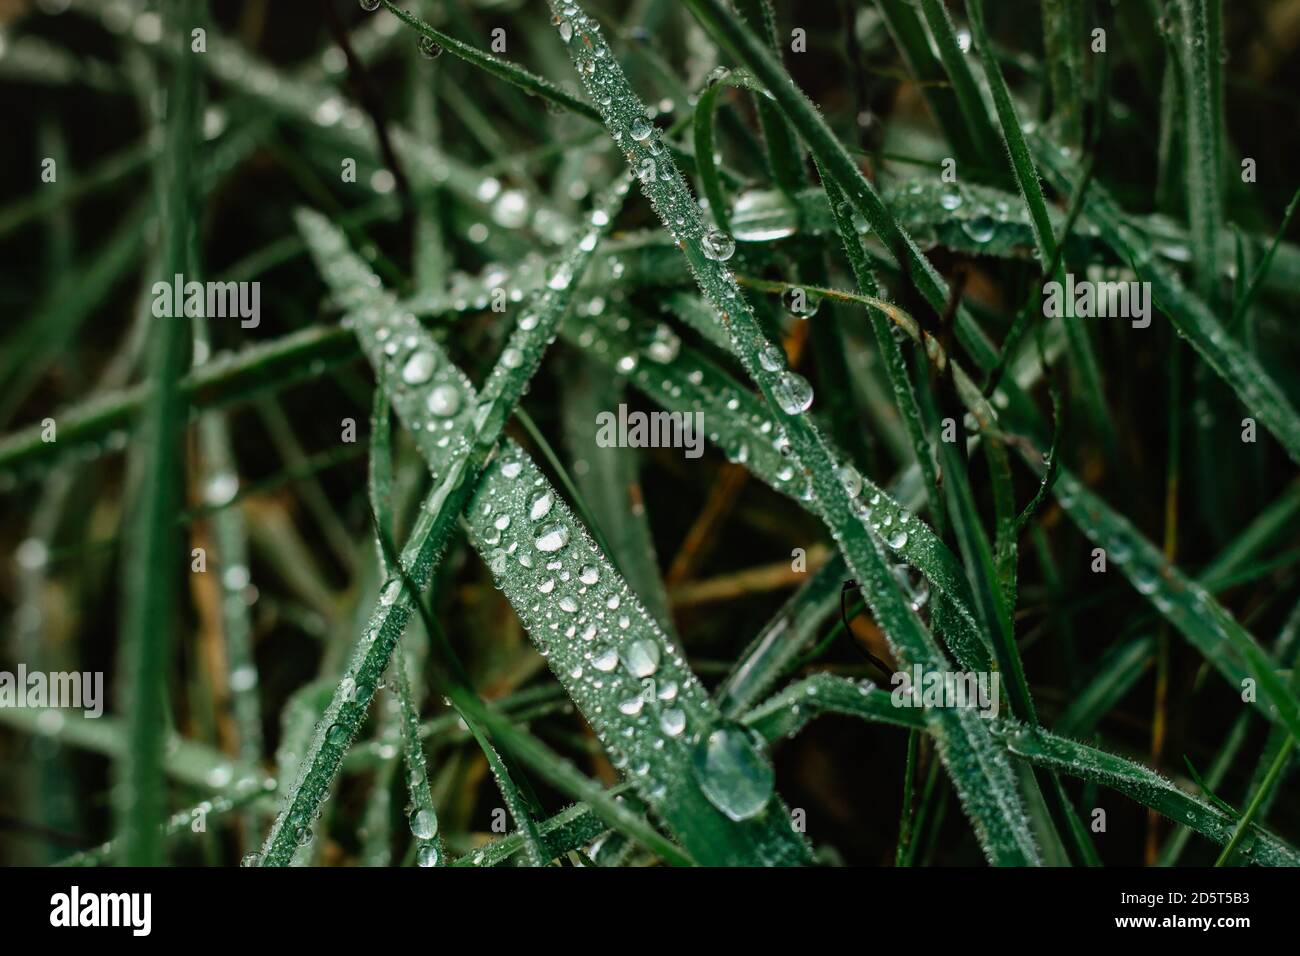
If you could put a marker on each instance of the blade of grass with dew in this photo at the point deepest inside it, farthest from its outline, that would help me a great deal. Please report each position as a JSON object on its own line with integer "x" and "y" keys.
{"x": 1187, "y": 605}
{"x": 570, "y": 829}
{"x": 980, "y": 772}
{"x": 1082, "y": 356}
{"x": 892, "y": 356}
{"x": 1198, "y": 56}
{"x": 559, "y": 772}
{"x": 1146, "y": 787}
{"x": 150, "y": 585}
{"x": 743, "y": 429}
{"x": 432, "y": 400}
{"x": 794, "y": 707}
{"x": 1189, "y": 314}
{"x": 422, "y": 818}
{"x": 182, "y": 822}
{"x": 672, "y": 793}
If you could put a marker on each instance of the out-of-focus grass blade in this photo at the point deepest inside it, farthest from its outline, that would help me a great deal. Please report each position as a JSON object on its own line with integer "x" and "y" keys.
{"x": 152, "y": 559}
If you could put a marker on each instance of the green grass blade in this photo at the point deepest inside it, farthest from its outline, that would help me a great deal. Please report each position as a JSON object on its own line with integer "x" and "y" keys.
{"x": 153, "y": 555}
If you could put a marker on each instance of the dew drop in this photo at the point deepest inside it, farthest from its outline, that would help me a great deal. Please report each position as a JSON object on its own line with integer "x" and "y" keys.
{"x": 793, "y": 393}
{"x": 771, "y": 357}
{"x": 980, "y": 229}
{"x": 733, "y": 773}
{"x": 673, "y": 722}
{"x": 429, "y": 48}
{"x": 444, "y": 401}
{"x": 418, "y": 368}
{"x": 424, "y": 824}
{"x": 427, "y": 855}
{"x": 606, "y": 660}
{"x": 717, "y": 245}
{"x": 552, "y": 538}
{"x": 641, "y": 129}
{"x": 641, "y": 658}
{"x": 850, "y": 479}
{"x": 539, "y": 506}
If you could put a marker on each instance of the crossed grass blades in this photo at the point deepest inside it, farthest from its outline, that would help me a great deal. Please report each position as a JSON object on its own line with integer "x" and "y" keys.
{"x": 420, "y": 570}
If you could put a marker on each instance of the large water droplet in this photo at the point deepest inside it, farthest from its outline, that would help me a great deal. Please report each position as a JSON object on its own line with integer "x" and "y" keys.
{"x": 641, "y": 129}
{"x": 418, "y": 368}
{"x": 424, "y": 824}
{"x": 427, "y": 855}
{"x": 851, "y": 480}
{"x": 733, "y": 773}
{"x": 771, "y": 357}
{"x": 793, "y": 393}
{"x": 552, "y": 538}
{"x": 980, "y": 229}
{"x": 673, "y": 722}
{"x": 539, "y": 506}
{"x": 444, "y": 401}
{"x": 606, "y": 660}
{"x": 641, "y": 658}
{"x": 717, "y": 245}
{"x": 429, "y": 48}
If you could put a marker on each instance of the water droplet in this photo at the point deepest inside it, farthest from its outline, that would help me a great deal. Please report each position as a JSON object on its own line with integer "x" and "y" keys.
{"x": 632, "y": 706}
{"x": 539, "y": 505}
{"x": 424, "y": 824}
{"x": 897, "y": 539}
{"x": 950, "y": 201}
{"x": 606, "y": 660}
{"x": 590, "y": 574}
{"x": 733, "y": 773}
{"x": 369, "y": 5}
{"x": 801, "y": 303}
{"x": 673, "y": 722}
{"x": 552, "y": 538}
{"x": 851, "y": 480}
{"x": 664, "y": 344}
{"x": 642, "y": 129}
{"x": 980, "y": 229}
{"x": 427, "y": 855}
{"x": 771, "y": 357}
{"x": 641, "y": 658}
{"x": 717, "y": 245}
{"x": 444, "y": 401}
{"x": 793, "y": 393}
{"x": 418, "y": 368}
{"x": 302, "y": 836}
{"x": 221, "y": 488}
{"x": 914, "y": 586}
{"x": 429, "y": 48}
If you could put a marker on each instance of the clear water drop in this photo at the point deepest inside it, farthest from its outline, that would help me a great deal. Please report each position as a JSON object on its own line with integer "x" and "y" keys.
{"x": 539, "y": 506}
{"x": 419, "y": 368}
{"x": 641, "y": 658}
{"x": 717, "y": 245}
{"x": 793, "y": 393}
{"x": 424, "y": 824}
{"x": 733, "y": 773}
{"x": 444, "y": 401}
